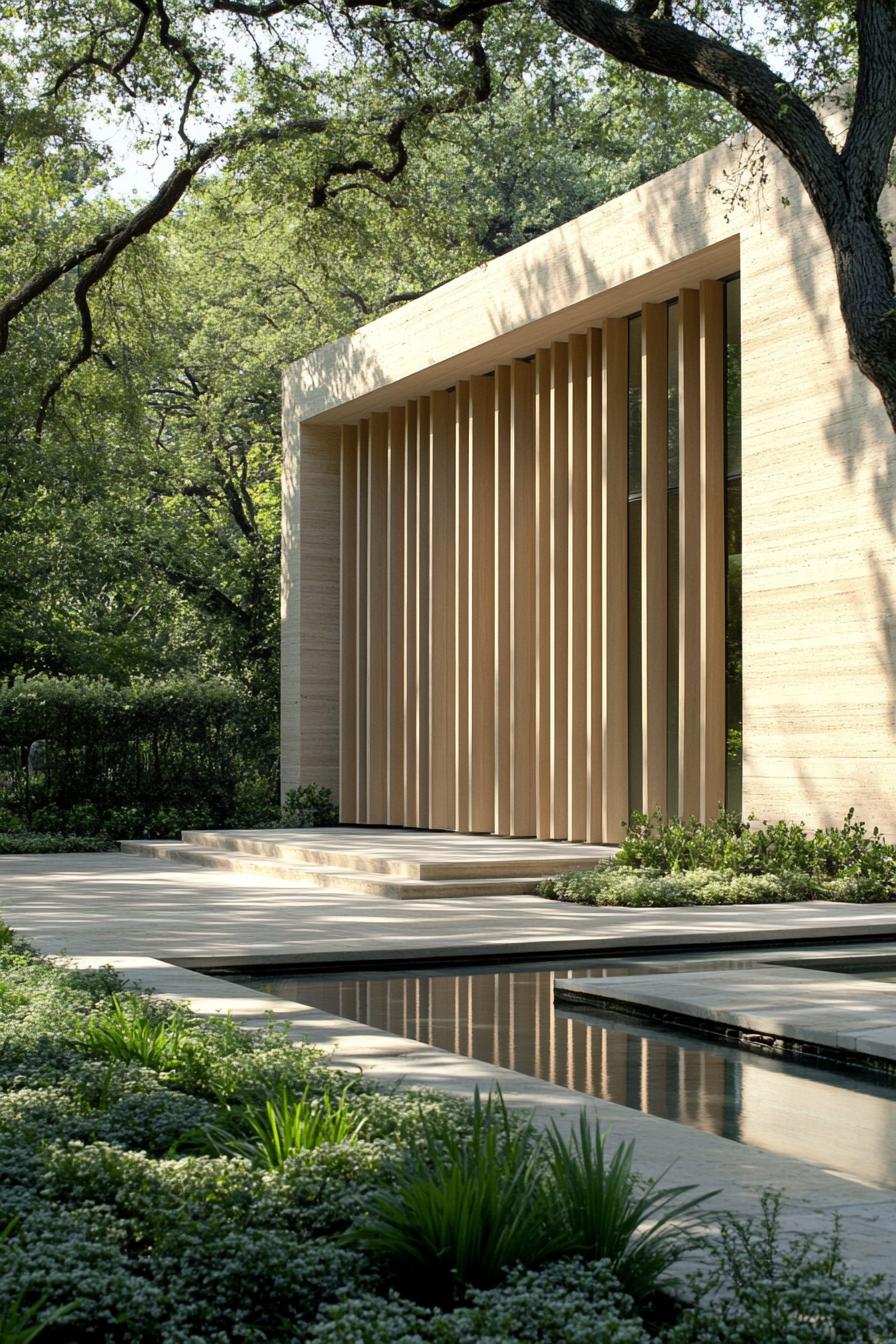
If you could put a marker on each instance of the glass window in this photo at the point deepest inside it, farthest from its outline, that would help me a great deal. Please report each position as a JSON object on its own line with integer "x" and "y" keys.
{"x": 733, "y": 553}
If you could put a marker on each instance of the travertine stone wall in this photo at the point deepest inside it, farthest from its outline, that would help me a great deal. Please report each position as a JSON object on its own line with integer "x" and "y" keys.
{"x": 819, "y": 537}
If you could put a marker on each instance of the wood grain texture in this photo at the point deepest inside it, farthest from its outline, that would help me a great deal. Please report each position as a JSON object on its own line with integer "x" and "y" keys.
{"x": 614, "y": 598}
{"x": 818, "y": 491}
{"x": 712, "y": 549}
{"x": 559, "y": 588}
{"x": 463, "y": 484}
{"x": 412, "y": 689}
{"x": 594, "y": 727}
{"x": 578, "y": 567}
{"x": 654, "y": 558}
{"x": 503, "y": 642}
{"x": 363, "y": 609}
{"x": 397, "y": 698}
{"x": 442, "y": 578}
{"x": 377, "y": 618}
{"x": 523, "y": 599}
{"x": 348, "y": 624}
{"x": 309, "y": 609}
{"x": 421, "y": 707}
{"x": 689, "y": 510}
{"x": 482, "y": 605}
{"x": 543, "y": 581}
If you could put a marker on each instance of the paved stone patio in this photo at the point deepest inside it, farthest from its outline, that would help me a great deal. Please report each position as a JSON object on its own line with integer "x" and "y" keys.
{"x": 141, "y": 916}
{"x": 115, "y": 903}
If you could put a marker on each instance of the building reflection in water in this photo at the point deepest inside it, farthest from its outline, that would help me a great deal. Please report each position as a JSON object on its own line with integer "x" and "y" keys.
{"x": 507, "y": 1017}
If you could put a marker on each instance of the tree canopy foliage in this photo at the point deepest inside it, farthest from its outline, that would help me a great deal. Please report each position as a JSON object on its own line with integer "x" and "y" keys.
{"x": 318, "y": 163}
{"x": 139, "y": 508}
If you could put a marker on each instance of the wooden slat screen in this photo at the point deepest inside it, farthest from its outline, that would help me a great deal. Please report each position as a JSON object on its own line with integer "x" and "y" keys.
{"x": 483, "y": 597}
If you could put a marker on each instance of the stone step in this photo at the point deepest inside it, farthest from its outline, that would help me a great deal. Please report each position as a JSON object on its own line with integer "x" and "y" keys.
{"x": 313, "y": 877}
{"x": 397, "y": 853}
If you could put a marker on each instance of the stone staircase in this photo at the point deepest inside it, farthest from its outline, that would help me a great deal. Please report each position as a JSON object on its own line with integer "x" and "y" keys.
{"x": 369, "y": 861}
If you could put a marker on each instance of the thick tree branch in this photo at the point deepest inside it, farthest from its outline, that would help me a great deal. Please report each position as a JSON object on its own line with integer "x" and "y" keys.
{"x": 444, "y": 17}
{"x": 772, "y": 105}
{"x": 106, "y": 248}
{"x": 872, "y": 131}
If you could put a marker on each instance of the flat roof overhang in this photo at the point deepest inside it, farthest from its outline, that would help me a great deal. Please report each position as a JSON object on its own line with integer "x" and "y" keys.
{"x": 639, "y": 248}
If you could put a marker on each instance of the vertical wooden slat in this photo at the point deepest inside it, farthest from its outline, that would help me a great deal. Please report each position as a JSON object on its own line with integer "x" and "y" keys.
{"x": 348, "y": 625}
{"x": 712, "y": 548}
{"x": 503, "y": 667}
{"x": 614, "y": 642}
{"x": 377, "y": 625}
{"x": 594, "y": 547}
{"x": 422, "y": 649}
{"x": 442, "y": 613}
{"x": 361, "y": 637}
{"x": 462, "y": 602}
{"x": 543, "y": 568}
{"x": 410, "y": 610}
{"x": 689, "y": 600}
{"x": 559, "y": 585}
{"x": 577, "y": 594}
{"x": 523, "y": 596}
{"x": 482, "y": 605}
{"x": 396, "y": 693}
{"x": 654, "y": 512}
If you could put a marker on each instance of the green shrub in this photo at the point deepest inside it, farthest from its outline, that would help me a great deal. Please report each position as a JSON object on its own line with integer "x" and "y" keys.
{"x": 649, "y": 887}
{"x": 731, "y": 845}
{"x": 765, "y": 1289}
{"x": 309, "y": 806}
{"x": 152, "y": 758}
{"x": 26, "y": 842}
{"x": 467, "y": 1207}
{"x": 463, "y": 1208}
{"x": 569, "y": 1302}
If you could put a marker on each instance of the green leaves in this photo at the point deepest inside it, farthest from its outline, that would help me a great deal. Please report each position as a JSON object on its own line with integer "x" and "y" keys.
{"x": 133, "y": 1031}
{"x": 466, "y": 1208}
{"x": 604, "y": 1212}
{"x": 272, "y": 1131}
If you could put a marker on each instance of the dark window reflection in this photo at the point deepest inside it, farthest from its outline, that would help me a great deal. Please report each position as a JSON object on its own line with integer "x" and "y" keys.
{"x": 733, "y": 552}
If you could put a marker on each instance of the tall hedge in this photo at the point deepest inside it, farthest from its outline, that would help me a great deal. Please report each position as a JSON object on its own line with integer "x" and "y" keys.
{"x": 202, "y": 748}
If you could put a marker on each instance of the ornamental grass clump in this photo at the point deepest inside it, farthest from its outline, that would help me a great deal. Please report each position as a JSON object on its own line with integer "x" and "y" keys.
{"x": 603, "y": 1212}
{"x": 272, "y": 1132}
{"x": 464, "y": 1210}
{"x": 133, "y": 1031}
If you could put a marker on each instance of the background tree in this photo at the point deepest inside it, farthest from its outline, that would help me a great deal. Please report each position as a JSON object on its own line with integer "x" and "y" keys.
{"x": 818, "y": 45}
{"x": 139, "y": 532}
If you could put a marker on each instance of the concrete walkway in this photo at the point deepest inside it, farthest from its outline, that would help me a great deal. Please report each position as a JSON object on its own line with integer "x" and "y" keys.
{"x": 118, "y": 903}
{"x": 141, "y": 916}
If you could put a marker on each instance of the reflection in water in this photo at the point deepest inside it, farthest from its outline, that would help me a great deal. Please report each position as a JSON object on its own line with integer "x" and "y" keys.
{"x": 841, "y": 1122}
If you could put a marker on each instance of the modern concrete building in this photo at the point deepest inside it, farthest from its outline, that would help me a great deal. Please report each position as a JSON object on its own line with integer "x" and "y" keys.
{"x": 605, "y": 524}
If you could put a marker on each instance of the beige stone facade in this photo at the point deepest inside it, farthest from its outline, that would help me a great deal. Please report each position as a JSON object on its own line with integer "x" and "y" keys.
{"x": 458, "y": 533}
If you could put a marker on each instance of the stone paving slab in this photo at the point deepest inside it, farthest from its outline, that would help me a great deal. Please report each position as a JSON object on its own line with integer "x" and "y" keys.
{"x": 841, "y": 1012}
{"x": 113, "y": 903}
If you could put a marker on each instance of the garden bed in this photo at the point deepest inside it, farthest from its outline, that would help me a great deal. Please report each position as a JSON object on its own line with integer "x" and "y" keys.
{"x": 731, "y": 862}
{"x": 165, "y": 1178}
